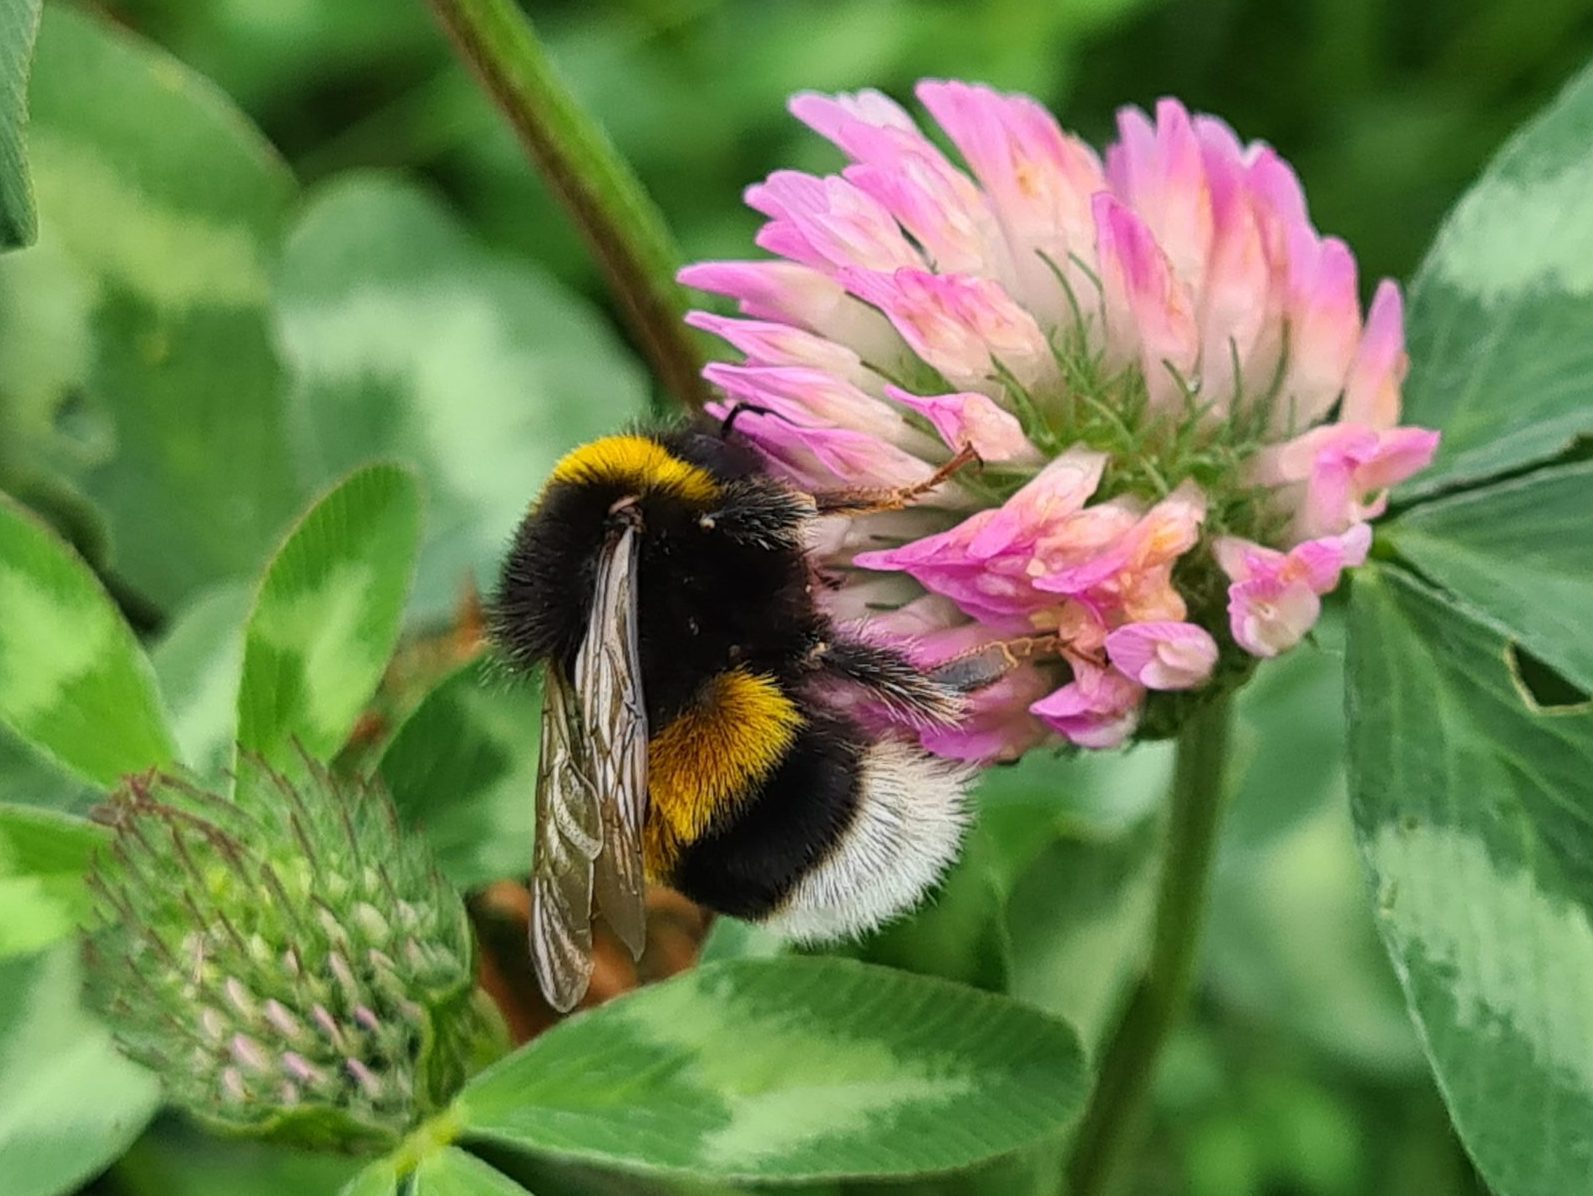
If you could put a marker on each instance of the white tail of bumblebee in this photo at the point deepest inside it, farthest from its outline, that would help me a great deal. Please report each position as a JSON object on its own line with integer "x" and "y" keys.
{"x": 911, "y": 815}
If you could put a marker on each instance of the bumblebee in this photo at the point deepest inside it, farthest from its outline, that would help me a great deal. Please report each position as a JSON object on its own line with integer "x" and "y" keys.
{"x": 690, "y": 729}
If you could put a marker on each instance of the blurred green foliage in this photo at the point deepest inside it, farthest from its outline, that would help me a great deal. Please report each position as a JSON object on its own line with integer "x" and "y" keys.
{"x": 1299, "y": 1073}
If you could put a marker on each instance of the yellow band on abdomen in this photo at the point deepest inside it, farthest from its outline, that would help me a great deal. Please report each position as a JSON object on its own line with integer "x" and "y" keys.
{"x": 705, "y": 760}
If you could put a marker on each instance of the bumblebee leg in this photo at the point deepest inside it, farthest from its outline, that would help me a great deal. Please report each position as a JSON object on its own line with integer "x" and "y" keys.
{"x": 989, "y": 663}
{"x": 893, "y": 679}
{"x": 869, "y": 502}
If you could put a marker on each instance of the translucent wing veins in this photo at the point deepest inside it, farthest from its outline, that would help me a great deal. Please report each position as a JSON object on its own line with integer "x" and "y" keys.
{"x": 592, "y": 787}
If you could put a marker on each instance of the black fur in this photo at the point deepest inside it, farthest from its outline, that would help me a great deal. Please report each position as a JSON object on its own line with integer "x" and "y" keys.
{"x": 748, "y": 863}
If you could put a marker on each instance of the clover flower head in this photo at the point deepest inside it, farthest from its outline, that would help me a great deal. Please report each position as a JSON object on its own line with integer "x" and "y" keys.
{"x": 1185, "y": 423}
{"x": 285, "y": 962}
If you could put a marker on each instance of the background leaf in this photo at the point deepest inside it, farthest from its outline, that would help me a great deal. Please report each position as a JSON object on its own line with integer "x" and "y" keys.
{"x": 378, "y": 1179}
{"x": 43, "y": 858}
{"x": 136, "y": 353}
{"x": 70, "y": 1103}
{"x": 462, "y": 769}
{"x": 452, "y": 1172}
{"x": 1473, "y": 811}
{"x": 1500, "y": 309}
{"x": 327, "y": 616}
{"x": 73, "y": 681}
{"x": 199, "y": 664}
{"x": 174, "y": 1158}
{"x": 19, "y": 25}
{"x": 786, "y": 1069}
{"x": 408, "y": 341}
{"x": 1522, "y": 553}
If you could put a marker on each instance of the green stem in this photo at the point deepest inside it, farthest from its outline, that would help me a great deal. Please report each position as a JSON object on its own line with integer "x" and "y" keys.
{"x": 620, "y": 223}
{"x": 1127, "y": 1066}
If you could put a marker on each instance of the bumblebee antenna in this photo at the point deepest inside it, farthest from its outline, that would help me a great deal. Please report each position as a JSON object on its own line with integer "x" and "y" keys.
{"x": 727, "y": 425}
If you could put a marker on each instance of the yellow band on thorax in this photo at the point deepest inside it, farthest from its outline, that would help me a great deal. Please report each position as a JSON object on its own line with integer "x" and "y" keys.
{"x": 637, "y": 464}
{"x": 705, "y": 760}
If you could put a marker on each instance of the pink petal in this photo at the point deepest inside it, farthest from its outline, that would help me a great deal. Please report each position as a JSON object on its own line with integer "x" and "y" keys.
{"x": 985, "y": 564}
{"x": 974, "y": 419}
{"x": 1039, "y": 181}
{"x": 789, "y": 293}
{"x": 1401, "y": 453}
{"x": 824, "y": 458}
{"x": 1371, "y": 390}
{"x": 1158, "y": 171}
{"x": 816, "y": 398}
{"x": 827, "y": 223}
{"x": 1099, "y": 708}
{"x": 1163, "y": 655}
{"x": 1240, "y": 310}
{"x": 1324, "y": 314}
{"x": 831, "y": 116}
{"x": 960, "y": 324}
{"x": 933, "y": 200}
{"x": 996, "y": 725}
{"x": 1241, "y": 559}
{"x": 1268, "y": 615}
{"x": 1148, "y": 311}
{"x": 1339, "y": 474}
{"x": 1318, "y": 563}
{"x": 768, "y": 343}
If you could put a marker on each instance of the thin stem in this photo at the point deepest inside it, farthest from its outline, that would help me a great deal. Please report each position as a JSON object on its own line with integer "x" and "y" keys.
{"x": 620, "y": 223}
{"x": 1128, "y": 1064}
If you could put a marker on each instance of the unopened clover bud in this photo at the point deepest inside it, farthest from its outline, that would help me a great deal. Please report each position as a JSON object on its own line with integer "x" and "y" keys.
{"x": 286, "y": 960}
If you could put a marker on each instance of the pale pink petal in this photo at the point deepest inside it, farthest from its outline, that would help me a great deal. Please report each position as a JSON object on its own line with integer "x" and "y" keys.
{"x": 1242, "y": 559}
{"x": 1324, "y": 314}
{"x": 933, "y": 200}
{"x": 1339, "y": 474}
{"x": 1163, "y": 655}
{"x": 815, "y": 398}
{"x": 903, "y": 170}
{"x": 1318, "y": 563}
{"x": 1148, "y": 311}
{"x": 1099, "y": 708}
{"x": 1158, "y": 171}
{"x": 973, "y": 419}
{"x": 768, "y": 343}
{"x": 985, "y": 564}
{"x": 795, "y": 294}
{"x": 1268, "y": 615}
{"x": 826, "y": 458}
{"x": 1371, "y": 391}
{"x": 1401, "y": 453}
{"x": 1163, "y": 534}
{"x": 1039, "y": 181}
{"x": 829, "y": 116}
{"x": 963, "y": 325}
{"x": 1239, "y": 310}
{"x": 828, "y": 223}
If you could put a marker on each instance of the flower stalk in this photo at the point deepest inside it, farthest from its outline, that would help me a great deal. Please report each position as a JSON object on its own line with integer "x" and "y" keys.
{"x": 1128, "y": 1064}
{"x": 620, "y": 223}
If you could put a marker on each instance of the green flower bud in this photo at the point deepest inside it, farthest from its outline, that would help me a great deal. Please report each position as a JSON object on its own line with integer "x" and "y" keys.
{"x": 285, "y": 960}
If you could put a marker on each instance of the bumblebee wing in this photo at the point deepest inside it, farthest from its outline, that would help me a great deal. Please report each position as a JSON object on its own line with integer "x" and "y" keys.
{"x": 568, "y": 839}
{"x": 608, "y": 681}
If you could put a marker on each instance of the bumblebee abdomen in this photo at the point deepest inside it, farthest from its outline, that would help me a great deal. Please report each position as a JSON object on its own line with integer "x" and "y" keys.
{"x": 705, "y": 762}
{"x": 838, "y": 835}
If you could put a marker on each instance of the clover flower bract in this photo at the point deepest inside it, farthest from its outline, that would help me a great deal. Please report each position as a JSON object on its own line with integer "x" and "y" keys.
{"x": 1143, "y": 353}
